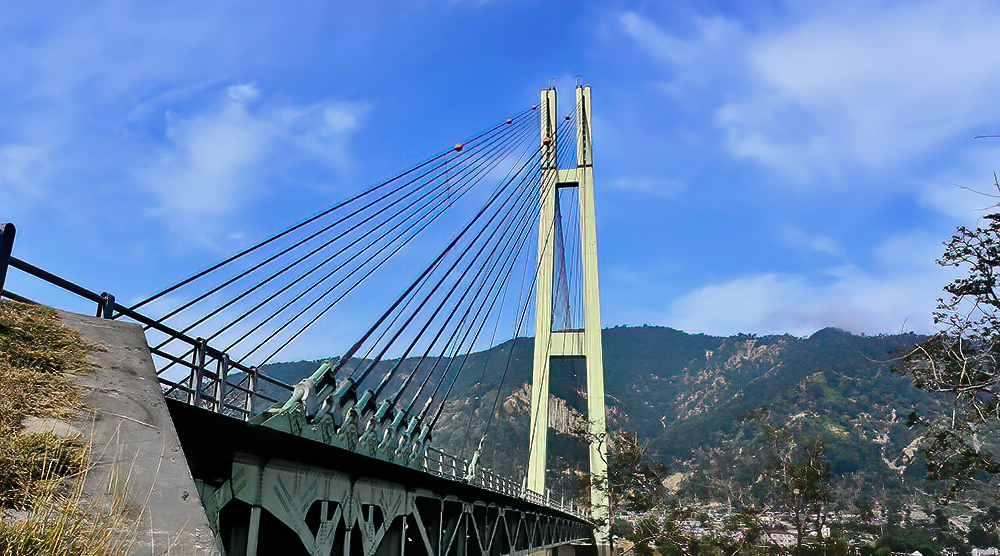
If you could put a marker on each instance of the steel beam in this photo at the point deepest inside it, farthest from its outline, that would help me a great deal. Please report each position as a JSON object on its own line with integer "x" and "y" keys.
{"x": 317, "y": 498}
{"x": 390, "y": 518}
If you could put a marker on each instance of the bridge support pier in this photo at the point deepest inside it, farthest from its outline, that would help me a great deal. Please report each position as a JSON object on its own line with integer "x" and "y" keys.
{"x": 584, "y": 343}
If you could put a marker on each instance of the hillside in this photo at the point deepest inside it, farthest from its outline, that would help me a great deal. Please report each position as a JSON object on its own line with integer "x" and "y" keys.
{"x": 684, "y": 393}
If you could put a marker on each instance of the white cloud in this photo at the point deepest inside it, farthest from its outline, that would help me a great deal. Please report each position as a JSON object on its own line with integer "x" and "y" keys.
{"x": 965, "y": 190}
{"x": 899, "y": 295}
{"x": 779, "y": 303}
{"x": 880, "y": 99}
{"x": 696, "y": 59}
{"x": 244, "y": 93}
{"x": 201, "y": 173}
{"x": 916, "y": 251}
{"x": 963, "y": 202}
{"x": 220, "y": 158}
{"x": 840, "y": 87}
{"x": 882, "y": 87}
{"x": 321, "y": 130}
{"x": 23, "y": 170}
{"x": 107, "y": 51}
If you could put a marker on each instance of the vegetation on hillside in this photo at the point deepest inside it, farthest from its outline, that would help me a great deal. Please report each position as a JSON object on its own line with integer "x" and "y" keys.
{"x": 684, "y": 394}
{"x": 717, "y": 410}
{"x": 814, "y": 433}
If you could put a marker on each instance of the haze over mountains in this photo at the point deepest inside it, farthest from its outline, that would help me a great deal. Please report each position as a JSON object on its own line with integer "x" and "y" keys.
{"x": 685, "y": 393}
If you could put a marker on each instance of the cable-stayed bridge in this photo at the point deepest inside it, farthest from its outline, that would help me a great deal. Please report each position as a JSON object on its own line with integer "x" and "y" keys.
{"x": 406, "y": 279}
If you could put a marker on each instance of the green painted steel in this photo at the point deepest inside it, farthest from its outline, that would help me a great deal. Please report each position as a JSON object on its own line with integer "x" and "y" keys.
{"x": 333, "y": 512}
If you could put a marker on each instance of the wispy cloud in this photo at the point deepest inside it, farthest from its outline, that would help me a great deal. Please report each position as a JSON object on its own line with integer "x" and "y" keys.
{"x": 965, "y": 190}
{"x": 200, "y": 172}
{"x": 124, "y": 123}
{"x": 86, "y": 90}
{"x": 837, "y": 87}
{"x": 23, "y": 170}
{"x": 897, "y": 296}
{"x": 219, "y": 158}
{"x": 695, "y": 61}
{"x": 798, "y": 238}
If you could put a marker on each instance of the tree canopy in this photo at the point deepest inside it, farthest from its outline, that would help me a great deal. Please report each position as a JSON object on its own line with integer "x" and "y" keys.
{"x": 961, "y": 361}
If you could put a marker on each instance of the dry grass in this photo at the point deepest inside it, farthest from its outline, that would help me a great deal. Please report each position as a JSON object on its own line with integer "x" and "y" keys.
{"x": 36, "y": 350}
{"x": 58, "y": 519}
{"x": 42, "y": 474}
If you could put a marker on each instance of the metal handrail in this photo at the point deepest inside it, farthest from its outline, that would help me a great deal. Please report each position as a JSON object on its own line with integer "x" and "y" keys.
{"x": 440, "y": 463}
{"x": 108, "y": 308}
{"x": 435, "y": 461}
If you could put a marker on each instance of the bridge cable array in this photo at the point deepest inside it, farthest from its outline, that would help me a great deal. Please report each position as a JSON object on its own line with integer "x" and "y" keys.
{"x": 334, "y": 266}
{"x": 441, "y": 185}
{"x": 556, "y": 235}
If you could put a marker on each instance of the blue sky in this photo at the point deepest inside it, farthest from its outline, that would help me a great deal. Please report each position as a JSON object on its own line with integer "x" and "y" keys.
{"x": 761, "y": 167}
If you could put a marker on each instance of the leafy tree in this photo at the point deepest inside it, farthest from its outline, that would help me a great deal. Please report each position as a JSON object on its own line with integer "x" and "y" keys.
{"x": 799, "y": 474}
{"x": 636, "y": 477}
{"x": 941, "y": 521}
{"x": 962, "y": 360}
{"x": 908, "y": 539}
{"x": 634, "y": 486}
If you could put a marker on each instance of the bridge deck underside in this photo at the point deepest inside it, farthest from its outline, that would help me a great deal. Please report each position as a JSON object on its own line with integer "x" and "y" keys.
{"x": 269, "y": 492}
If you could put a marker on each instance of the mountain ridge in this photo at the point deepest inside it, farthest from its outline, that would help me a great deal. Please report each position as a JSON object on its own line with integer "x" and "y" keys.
{"x": 683, "y": 393}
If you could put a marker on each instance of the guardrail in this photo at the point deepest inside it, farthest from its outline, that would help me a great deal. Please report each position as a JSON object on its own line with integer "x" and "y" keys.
{"x": 203, "y": 387}
{"x": 442, "y": 464}
{"x": 214, "y": 389}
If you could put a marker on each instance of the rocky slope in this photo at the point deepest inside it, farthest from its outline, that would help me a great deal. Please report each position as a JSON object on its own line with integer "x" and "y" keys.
{"x": 685, "y": 393}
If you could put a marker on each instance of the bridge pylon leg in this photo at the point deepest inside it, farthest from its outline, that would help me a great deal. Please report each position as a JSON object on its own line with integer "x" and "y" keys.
{"x": 584, "y": 343}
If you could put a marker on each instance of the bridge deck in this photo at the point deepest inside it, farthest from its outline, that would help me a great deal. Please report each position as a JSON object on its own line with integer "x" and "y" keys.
{"x": 384, "y": 505}
{"x": 211, "y": 441}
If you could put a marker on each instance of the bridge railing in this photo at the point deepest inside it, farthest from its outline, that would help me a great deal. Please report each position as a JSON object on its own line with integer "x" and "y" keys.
{"x": 442, "y": 464}
{"x": 218, "y": 383}
{"x": 214, "y": 381}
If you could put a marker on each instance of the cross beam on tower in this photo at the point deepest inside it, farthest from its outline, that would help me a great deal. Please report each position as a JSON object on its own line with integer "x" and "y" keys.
{"x": 586, "y": 343}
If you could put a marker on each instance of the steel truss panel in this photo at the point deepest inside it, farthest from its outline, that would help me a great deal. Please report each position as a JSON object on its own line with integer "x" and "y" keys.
{"x": 335, "y": 513}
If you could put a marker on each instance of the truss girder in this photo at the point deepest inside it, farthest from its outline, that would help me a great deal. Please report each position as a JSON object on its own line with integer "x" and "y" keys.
{"x": 381, "y": 511}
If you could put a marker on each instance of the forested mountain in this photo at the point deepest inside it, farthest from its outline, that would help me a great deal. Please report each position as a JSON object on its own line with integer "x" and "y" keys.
{"x": 686, "y": 393}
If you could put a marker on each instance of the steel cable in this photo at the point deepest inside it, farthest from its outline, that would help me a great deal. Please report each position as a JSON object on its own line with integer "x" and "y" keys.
{"x": 319, "y": 215}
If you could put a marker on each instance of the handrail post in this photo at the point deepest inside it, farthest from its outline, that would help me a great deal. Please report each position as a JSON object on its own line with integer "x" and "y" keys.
{"x": 220, "y": 386}
{"x": 251, "y": 388}
{"x": 106, "y": 307}
{"x": 6, "y": 246}
{"x": 198, "y": 372}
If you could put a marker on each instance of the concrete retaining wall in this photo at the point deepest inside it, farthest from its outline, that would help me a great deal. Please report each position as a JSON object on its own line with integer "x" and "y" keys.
{"x": 134, "y": 442}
